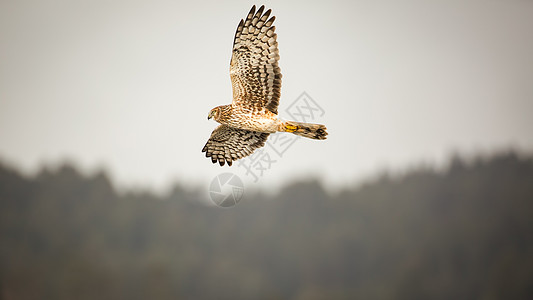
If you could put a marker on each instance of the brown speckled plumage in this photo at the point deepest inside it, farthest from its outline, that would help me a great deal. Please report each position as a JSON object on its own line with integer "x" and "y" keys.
{"x": 228, "y": 144}
{"x": 256, "y": 81}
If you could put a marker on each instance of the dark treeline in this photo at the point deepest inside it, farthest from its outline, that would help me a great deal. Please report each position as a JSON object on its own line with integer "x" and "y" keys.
{"x": 466, "y": 233}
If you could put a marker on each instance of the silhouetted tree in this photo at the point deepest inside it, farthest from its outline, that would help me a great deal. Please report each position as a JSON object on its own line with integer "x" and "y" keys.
{"x": 466, "y": 233}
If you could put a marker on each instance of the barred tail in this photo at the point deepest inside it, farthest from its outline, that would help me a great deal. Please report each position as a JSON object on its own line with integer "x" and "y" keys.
{"x": 308, "y": 130}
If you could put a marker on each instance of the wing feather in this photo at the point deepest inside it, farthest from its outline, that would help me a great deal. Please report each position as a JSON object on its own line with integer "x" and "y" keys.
{"x": 227, "y": 144}
{"x": 254, "y": 71}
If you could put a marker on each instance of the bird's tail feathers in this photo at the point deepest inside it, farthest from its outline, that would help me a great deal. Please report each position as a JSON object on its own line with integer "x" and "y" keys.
{"x": 308, "y": 130}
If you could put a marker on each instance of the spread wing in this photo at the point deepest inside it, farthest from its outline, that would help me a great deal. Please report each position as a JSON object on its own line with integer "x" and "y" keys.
{"x": 227, "y": 144}
{"x": 254, "y": 71}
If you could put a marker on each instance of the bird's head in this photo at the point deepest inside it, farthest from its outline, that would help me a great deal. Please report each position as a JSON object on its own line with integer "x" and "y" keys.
{"x": 214, "y": 113}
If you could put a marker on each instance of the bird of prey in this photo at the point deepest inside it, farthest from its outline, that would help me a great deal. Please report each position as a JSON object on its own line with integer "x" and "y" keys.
{"x": 255, "y": 75}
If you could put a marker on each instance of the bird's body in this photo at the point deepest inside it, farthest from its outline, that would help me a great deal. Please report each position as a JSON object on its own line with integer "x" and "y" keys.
{"x": 249, "y": 119}
{"x": 256, "y": 81}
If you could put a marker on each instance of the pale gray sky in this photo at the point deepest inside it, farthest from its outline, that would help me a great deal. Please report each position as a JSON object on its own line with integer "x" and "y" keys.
{"x": 127, "y": 85}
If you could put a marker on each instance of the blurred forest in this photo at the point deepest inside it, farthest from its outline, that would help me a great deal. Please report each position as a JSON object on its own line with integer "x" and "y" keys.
{"x": 462, "y": 233}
